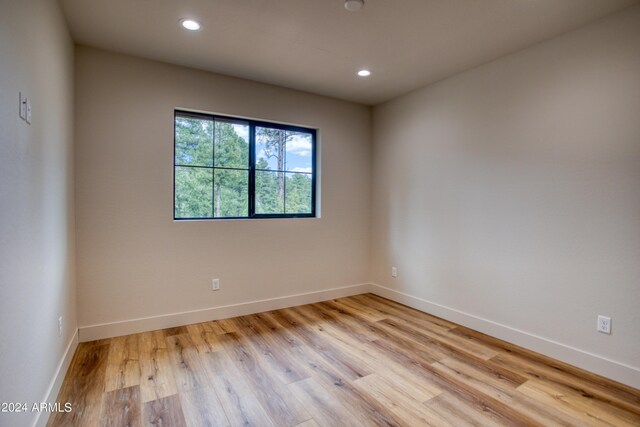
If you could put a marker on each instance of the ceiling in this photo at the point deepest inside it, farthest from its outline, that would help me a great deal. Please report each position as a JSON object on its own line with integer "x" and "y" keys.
{"x": 317, "y": 46}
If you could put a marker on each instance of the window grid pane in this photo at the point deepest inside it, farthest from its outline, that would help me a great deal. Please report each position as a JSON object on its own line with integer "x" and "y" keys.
{"x": 193, "y": 192}
{"x": 231, "y": 144}
{"x": 298, "y": 193}
{"x": 194, "y": 142}
{"x": 230, "y": 192}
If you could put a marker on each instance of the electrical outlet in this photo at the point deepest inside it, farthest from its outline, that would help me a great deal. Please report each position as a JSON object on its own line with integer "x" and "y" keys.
{"x": 604, "y": 324}
{"x": 60, "y": 326}
{"x": 394, "y": 271}
{"x": 215, "y": 284}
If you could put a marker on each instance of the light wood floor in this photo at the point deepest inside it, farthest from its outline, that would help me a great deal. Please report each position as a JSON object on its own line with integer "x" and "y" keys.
{"x": 354, "y": 361}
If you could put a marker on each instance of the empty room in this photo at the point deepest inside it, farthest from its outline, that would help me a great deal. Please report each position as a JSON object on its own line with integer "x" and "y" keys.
{"x": 319, "y": 213}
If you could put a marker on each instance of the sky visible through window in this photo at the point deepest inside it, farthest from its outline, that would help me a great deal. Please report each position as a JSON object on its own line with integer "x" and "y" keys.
{"x": 298, "y": 151}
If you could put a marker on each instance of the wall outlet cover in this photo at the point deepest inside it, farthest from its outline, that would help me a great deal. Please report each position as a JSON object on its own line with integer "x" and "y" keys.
{"x": 604, "y": 324}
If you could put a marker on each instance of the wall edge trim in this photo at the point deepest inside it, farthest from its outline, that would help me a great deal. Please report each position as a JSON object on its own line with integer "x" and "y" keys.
{"x": 51, "y": 394}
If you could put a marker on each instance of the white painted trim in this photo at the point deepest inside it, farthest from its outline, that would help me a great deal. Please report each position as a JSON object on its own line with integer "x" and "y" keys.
{"x": 54, "y": 387}
{"x": 125, "y": 327}
{"x": 618, "y": 371}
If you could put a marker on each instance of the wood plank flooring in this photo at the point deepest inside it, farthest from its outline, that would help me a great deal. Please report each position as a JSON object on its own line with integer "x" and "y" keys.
{"x": 356, "y": 361}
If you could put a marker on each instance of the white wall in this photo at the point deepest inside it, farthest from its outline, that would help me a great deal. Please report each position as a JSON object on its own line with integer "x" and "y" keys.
{"x": 511, "y": 193}
{"x": 36, "y": 202}
{"x": 134, "y": 261}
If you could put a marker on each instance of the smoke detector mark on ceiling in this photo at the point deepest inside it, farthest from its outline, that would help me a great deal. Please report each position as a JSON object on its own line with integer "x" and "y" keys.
{"x": 353, "y": 5}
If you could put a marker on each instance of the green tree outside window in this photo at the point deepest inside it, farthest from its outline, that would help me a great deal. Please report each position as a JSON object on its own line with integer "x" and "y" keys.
{"x": 213, "y": 169}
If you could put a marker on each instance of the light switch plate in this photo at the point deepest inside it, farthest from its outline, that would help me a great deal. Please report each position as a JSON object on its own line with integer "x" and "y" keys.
{"x": 23, "y": 106}
{"x": 28, "y": 119}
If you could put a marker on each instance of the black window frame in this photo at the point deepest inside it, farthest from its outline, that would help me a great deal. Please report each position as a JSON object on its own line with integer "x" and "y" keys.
{"x": 252, "y": 165}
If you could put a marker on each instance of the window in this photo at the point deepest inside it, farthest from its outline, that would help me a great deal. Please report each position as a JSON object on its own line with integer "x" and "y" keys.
{"x": 228, "y": 167}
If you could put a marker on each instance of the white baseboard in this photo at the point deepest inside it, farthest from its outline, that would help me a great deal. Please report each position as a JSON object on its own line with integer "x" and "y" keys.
{"x": 54, "y": 387}
{"x": 600, "y": 365}
{"x": 126, "y": 327}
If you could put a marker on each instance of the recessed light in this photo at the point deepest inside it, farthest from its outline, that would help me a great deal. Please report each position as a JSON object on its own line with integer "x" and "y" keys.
{"x": 190, "y": 24}
{"x": 364, "y": 73}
